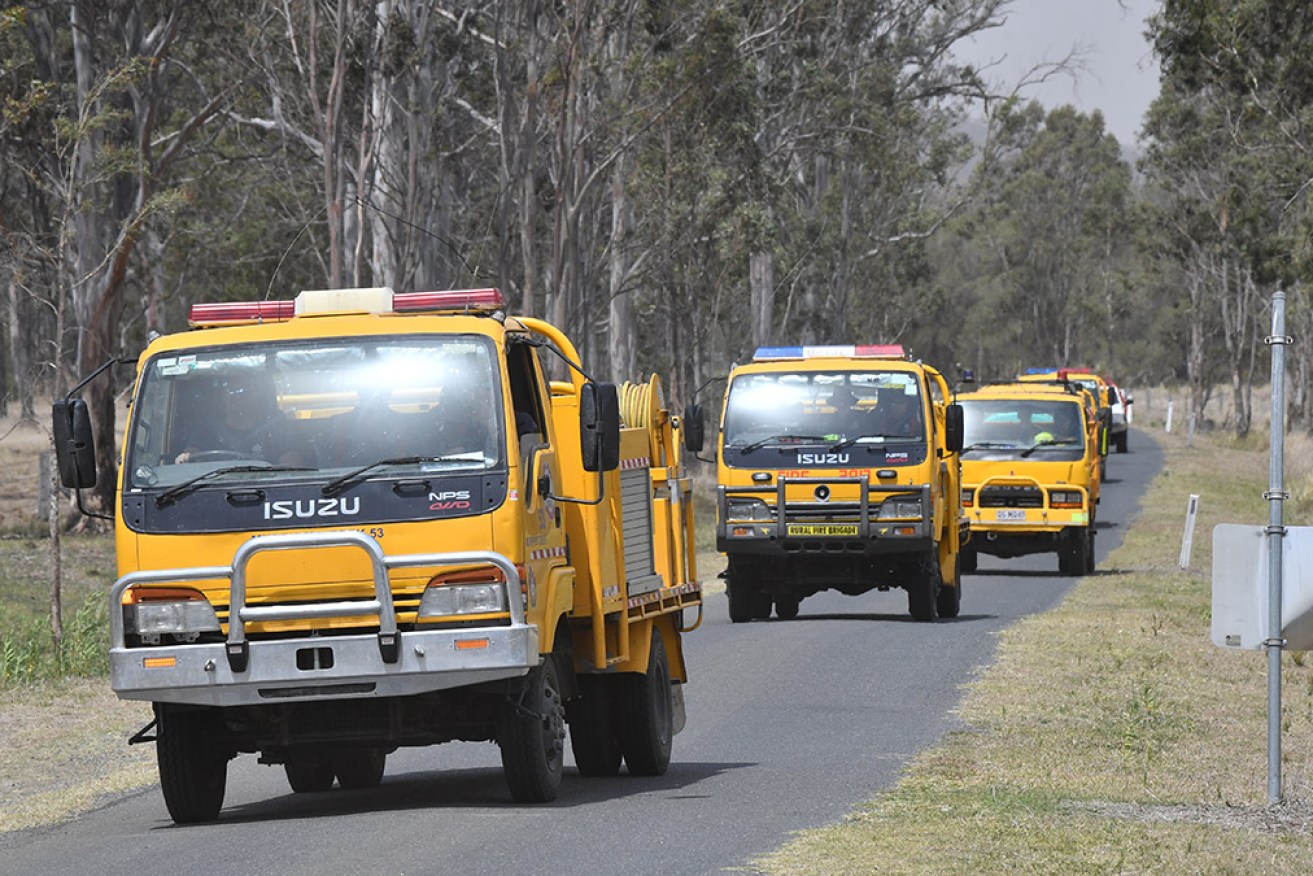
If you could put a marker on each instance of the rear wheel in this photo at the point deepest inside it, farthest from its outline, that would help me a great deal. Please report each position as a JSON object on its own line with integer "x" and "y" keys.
{"x": 969, "y": 560}
{"x": 360, "y": 768}
{"x": 593, "y": 736}
{"x": 532, "y": 737}
{"x": 193, "y": 772}
{"x": 647, "y": 714}
{"x": 923, "y": 592}
{"x": 949, "y": 601}
{"x": 309, "y": 774}
{"x": 1120, "y": 440}
{"x": 1089, "y": 552}
{"x": 786, "y": 607}
{"x": 761, "y": 604}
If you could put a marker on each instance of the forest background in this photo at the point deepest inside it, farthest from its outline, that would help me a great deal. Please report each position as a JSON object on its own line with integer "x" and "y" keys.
{"x": 673, "y": 182}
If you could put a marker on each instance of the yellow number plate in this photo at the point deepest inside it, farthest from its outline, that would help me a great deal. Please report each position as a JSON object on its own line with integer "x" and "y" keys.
{"x": 823, "y": 529}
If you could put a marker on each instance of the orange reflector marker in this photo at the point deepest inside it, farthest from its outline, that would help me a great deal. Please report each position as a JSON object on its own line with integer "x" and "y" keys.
{"x": 159, "y": 662}
{"x": 906, "y": 530}
{"x": 471, "y": 644}
{"x": 742, "y": 530}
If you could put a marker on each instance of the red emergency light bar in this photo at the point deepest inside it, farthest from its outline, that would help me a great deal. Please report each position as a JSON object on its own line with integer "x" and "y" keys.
{"x": 252, "y": 312}
{"x": 483, "y": 300}
{"x": 240, "y": 312}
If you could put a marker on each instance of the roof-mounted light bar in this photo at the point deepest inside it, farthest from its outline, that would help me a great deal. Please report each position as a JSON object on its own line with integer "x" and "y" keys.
{"x": 319, "y": 302}
{"x": 450, "y": 301}
{"x": 842, "y": 351}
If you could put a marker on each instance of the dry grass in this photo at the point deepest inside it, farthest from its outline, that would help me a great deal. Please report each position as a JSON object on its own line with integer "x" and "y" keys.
{"x": 21, "y": 444}
{"x": 1111, "y": 736}
{"x": 64, "y": 751}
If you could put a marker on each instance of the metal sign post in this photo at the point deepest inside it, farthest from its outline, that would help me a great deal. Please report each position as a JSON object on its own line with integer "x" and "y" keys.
{"x": 1278, "y": 341}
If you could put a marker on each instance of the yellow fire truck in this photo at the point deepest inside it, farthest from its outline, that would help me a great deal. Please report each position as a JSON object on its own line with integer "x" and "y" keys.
{"x": 838, "y": 469}
{"x": 1030, "y": 473}
{"x": 362, "y": 520}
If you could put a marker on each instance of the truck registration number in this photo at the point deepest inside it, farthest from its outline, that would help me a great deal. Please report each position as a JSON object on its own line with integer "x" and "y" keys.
{"x": 1010, "y": 514}
{"x": 822, "y": 529}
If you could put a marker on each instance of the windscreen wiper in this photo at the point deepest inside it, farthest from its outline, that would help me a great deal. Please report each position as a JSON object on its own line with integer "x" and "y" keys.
{"x": 989, "y": 445}
{"x": 1048, "y": 443}
{"x": 338, "y": 484}
{"x": 757, "y": 445}
{"x": 849, "y": 442}
{"x": 176, "y": 492}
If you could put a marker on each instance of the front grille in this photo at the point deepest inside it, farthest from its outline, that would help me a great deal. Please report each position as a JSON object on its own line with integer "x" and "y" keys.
{"x": 1010, "y": 497}
{"x": 830, "y": 512}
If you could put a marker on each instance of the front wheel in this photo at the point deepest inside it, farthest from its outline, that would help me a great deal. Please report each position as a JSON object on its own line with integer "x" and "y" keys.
{"x": 923, "y": 591}
{"x": 786, "y": 607}
{"x": 742, "y": 597}
{"x": 532, "y": 737}
{"x": 647, "y": 714}
{"x": 193, "y": 773}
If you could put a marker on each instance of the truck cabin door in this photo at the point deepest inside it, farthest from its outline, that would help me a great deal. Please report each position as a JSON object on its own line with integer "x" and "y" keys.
{"x": 539, "y": 474}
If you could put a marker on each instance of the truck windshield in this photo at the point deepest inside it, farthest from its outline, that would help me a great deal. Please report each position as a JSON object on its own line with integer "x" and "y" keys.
{"x": 998, "y": 429}
{"x": 316, "y": 410}
{"x": 871, "y": 410}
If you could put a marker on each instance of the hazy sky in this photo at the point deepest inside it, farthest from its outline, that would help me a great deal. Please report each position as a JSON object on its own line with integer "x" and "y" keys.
{"x": 1120, "y": 75}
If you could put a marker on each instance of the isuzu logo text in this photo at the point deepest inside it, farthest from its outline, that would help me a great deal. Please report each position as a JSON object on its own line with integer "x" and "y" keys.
{"x": 450, "y": 500}
{"x": 822, "y": 458}
{"x": 307, "y": 509}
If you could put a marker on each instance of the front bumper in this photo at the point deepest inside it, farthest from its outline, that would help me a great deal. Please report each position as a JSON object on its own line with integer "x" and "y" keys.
{"x": 825, "y": 527}
{"x": 387, "y": 663}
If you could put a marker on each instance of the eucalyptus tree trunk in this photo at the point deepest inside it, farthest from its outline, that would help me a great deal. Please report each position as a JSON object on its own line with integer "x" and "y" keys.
{"x": 761, "y": 286}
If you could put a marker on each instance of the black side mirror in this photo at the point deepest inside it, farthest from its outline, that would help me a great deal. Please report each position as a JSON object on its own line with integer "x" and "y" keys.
{"x": 695, "y": 428}
{"x": 75, "y": 446}
{"x": 954, "y": 428}
{"x": 599, "y": 426}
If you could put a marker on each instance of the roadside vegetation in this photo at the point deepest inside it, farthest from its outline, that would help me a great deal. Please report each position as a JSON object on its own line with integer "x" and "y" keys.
{"x": 1111, "y": 736}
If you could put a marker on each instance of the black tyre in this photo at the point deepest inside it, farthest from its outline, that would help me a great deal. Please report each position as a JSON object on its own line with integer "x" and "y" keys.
{"x": 741, "y": 602}
{"x": 309, "y": 774}
{"x": 923, "y": 592}
{"x": 360, "y": 769}
{"x": 949, "y": 601}
{"x": 761, "y": 605}
{"x": 1089, "y": 552}
{"x": 647, "y": 714}
{"x": 532, "y": 737}
{"x": 786, "y": 607}
{"x": 593, "y": 736}
{"x": 968, "y": 560}
{"x": 1120, "y": 441}
{"x": 193, "y": 771}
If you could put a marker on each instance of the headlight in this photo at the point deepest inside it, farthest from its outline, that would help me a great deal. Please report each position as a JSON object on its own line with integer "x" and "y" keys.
{"x": 899, "y": 508}
{"x": 747, "y": 509}
{"x": 169, "y": 616}
{"x": 445, "y": 600}
{"x": 1065, "y": 499}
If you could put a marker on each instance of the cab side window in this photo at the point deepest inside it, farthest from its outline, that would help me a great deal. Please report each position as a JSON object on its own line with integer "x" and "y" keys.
{"x": 526, "y": 396}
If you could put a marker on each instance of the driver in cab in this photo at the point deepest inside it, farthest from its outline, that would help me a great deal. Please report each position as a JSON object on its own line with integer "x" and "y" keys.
{"x": 249, "y": 426}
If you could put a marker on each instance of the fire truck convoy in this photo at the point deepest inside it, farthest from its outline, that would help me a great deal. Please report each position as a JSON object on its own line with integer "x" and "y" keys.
{"x": 363, "y": 520}
{"x": 837, "y": 468}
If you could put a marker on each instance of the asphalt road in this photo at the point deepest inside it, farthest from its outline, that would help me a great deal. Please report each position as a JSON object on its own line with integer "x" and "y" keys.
{"x": 790, "y": 725}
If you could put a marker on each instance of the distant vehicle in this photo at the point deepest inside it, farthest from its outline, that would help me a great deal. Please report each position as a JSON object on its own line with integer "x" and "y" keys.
{"x": 1030, "y": 473}
{"x": 1119, "y": 428}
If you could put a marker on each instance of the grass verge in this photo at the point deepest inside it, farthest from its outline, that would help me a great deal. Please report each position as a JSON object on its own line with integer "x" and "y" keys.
{"x": 1110, "y": 736}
